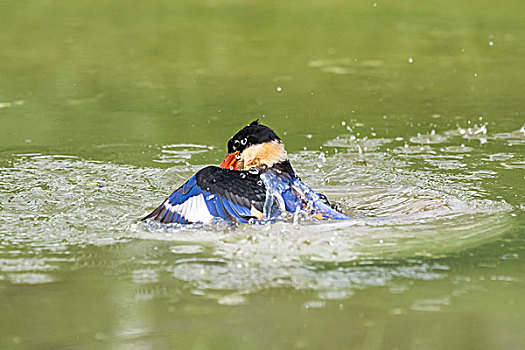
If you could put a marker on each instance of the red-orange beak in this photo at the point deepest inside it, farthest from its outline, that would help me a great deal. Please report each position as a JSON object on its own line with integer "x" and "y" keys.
{"x": 230, "y": 161}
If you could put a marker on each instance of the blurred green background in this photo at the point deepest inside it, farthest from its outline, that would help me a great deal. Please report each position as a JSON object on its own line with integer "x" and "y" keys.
{"x": 144, "y": 73}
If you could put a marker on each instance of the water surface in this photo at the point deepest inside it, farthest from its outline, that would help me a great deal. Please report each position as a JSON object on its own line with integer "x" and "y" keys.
{"x": 409, "y": 115}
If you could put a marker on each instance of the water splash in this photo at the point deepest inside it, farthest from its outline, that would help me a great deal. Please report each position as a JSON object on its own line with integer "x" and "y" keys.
{"x": 403, "y": 205}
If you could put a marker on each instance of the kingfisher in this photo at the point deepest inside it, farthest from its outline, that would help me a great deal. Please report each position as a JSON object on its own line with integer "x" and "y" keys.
{"x": 255, "y": 183}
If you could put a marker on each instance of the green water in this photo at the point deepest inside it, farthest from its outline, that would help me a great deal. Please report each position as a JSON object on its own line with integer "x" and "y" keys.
{"x": 408, "y": 113}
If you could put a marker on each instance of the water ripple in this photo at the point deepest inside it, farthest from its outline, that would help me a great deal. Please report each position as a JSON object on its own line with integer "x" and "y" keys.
{"x": 419, "y": 200}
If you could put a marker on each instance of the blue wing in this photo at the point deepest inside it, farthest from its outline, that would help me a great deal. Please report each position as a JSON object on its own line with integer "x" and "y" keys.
{"x": 289, "y": 193}
{"x": 213, "y": 193}
{"x": 316, "y": 203}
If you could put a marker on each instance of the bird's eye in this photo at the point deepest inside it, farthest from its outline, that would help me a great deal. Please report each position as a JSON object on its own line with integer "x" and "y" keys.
{"x": 243, "y": 141}
{"x": 236, "y": 144}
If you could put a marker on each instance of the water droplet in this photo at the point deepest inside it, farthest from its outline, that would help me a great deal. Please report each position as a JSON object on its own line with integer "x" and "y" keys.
{"x": 244, "y": 141}
{"x": 253, "y": 170}
{"x": 243, "y": 175}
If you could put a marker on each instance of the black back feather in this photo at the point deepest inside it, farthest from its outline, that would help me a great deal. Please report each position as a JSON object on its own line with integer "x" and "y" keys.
{"x": 239, "y": 187}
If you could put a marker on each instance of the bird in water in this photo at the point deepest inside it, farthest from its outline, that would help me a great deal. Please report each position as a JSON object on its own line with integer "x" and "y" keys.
{"x": 254, "y": 183}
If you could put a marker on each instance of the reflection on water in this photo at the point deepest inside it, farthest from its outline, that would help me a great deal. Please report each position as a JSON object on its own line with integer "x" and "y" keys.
{"x": 403, "y": 204}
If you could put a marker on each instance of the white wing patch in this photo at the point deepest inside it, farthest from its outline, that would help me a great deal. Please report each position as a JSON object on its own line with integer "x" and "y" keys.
{"x": 193, "y": 209}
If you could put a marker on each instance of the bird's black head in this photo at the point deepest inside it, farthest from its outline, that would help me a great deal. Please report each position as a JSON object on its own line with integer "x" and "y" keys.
{"x": 252, "y": 134}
